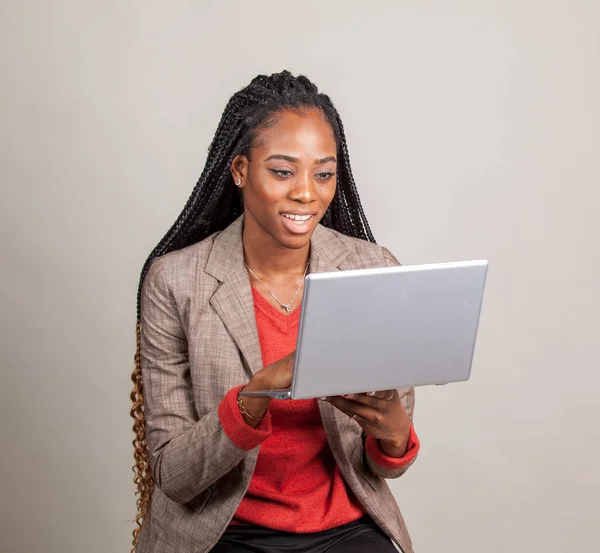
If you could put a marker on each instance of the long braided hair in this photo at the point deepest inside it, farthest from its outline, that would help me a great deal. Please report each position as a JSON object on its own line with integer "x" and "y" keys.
{"x": 216, "y": 202}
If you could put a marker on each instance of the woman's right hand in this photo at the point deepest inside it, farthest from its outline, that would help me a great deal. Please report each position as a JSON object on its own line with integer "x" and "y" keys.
{"x": 275, "y": 376}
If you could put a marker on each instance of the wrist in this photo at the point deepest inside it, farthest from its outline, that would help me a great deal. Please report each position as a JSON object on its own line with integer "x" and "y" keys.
{"x": 392, "y": 449}
{"x": 253, "y": 409}
{"x": 395, "y": 447}
{"x": 247, "y": 414}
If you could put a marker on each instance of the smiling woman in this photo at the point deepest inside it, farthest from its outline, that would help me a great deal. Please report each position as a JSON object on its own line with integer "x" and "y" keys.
{"x": 218, "y": 312}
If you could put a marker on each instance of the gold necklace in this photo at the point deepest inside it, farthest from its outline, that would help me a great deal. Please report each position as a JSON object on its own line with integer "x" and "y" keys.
{"x": 286, "y": 306}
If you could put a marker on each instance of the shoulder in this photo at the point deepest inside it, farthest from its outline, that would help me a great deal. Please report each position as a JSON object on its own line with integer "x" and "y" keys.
{"x": 180, "y": 268}
{"x": 363, "y": 254}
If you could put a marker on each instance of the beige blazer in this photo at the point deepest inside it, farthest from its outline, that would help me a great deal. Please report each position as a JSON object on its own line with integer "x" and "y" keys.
{"x": 199, "y": 340}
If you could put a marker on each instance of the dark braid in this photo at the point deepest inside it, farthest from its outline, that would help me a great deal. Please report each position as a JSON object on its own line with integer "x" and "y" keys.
{"x": 215, "y": 202}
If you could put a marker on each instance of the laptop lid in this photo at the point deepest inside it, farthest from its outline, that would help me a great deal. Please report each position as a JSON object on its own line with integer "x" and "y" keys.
{"x": 378, "y": 329}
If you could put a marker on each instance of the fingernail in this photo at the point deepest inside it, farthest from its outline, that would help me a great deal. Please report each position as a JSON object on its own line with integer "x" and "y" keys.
{"x": 349, "y": 396}
{"x": 323, "y": 398}
{"x": 370, "y": 394}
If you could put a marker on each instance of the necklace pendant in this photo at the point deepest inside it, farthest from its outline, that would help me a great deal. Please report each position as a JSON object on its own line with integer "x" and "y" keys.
{"x": 287, "y": 307}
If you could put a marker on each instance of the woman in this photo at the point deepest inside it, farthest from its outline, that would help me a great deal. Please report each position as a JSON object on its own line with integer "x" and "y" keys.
{"x": 218, "y": 311}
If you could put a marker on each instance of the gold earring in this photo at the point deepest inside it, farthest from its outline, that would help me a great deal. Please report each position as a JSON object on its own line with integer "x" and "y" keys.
{"x": 238, "y": 182}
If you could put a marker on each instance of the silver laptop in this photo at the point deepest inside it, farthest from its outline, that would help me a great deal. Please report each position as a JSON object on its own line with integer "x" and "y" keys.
{"x": 383, "y": 329}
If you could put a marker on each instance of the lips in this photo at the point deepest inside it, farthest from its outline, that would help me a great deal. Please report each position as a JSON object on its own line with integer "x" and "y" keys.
{"x": 297, "y": 217}
{"x": 298, "y": 223}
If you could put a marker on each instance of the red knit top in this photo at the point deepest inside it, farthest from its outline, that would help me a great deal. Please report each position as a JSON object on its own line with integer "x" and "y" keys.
{"x": 297, "y": 485}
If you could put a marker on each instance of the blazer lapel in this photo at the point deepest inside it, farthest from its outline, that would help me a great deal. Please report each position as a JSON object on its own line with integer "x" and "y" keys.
{"x": 233, "y": 299}
{"x": 326, "y": 251}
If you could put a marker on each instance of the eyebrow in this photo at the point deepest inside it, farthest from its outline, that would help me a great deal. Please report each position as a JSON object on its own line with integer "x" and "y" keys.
{"x": 295, "y": 160}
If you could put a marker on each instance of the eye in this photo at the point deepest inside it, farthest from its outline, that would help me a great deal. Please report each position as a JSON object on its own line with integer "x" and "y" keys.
{"x": 284, "y": 173}
{"x": 325, "y": 176}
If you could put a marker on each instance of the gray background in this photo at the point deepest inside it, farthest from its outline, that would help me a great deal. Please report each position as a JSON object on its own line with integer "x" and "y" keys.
{"x": 474, "y": 132}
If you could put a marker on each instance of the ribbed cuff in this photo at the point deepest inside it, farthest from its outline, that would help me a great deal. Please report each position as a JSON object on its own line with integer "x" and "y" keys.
{"x": 379, "y": 457}
{"x": 236, "y": 428}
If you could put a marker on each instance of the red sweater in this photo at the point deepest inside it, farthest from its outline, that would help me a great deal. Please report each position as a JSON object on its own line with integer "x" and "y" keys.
{"x": 297, "y": 485}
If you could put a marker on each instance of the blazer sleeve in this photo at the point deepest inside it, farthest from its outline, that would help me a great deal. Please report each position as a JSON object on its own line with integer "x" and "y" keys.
{"x": 407, "y": 396}
{"x": 186, "y": 454}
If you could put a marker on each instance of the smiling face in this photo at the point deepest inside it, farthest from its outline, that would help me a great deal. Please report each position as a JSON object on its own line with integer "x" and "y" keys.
{"x": 290, "y": 179}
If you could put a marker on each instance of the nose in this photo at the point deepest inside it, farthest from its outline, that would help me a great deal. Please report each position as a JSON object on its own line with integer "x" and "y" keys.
{"x": 303, "y": 189}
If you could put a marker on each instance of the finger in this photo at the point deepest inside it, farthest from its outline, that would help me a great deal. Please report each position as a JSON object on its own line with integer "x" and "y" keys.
{"x": 358, "y": 411}
{"x": 377, "y": 395}
{"x": 291, "y": 359}
{"x": 390, "y": 395}
{"x": 359, "y": 399}
{"x": 354, "y": 416}
{"x": 386, "y": 395}
{"x": 371, "y": 402}
{"x": 373, "y": 398}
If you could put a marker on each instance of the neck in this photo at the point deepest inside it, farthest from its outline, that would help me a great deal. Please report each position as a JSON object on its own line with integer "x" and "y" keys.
{"x": 271, "y": 259}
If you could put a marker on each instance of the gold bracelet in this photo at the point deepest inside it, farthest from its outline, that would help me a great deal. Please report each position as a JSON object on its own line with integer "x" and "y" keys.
{"x": 244, "y": 411}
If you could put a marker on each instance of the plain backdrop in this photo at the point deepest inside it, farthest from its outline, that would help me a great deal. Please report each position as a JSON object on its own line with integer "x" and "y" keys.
{"x": 474, "y": 131}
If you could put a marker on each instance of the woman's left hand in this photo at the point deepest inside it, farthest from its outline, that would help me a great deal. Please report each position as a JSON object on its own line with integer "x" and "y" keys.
{"x": 380, "y": 415}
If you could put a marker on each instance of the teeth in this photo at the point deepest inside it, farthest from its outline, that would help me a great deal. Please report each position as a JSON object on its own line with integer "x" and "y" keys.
{"x": 300, "y": 218}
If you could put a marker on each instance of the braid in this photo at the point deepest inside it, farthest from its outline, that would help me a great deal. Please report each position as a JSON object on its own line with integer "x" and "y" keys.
{"x": 215, "y": 202}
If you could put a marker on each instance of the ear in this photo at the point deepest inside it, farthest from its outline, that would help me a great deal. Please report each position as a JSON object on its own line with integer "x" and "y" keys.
{"x": 239, "y": 169}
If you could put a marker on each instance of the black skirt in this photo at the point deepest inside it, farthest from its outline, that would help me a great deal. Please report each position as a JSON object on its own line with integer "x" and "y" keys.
{"x": 361, "y": 536}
